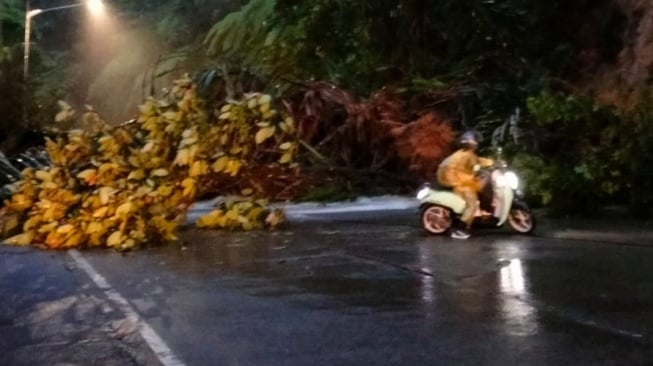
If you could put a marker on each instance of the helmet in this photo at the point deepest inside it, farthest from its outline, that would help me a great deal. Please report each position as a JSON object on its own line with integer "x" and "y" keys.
{"x": 470, "y": 139}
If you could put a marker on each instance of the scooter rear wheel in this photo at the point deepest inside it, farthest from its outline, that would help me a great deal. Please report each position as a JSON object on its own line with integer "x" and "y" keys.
{"x": 521, "y": 220}
{"x": 436, "y": 219}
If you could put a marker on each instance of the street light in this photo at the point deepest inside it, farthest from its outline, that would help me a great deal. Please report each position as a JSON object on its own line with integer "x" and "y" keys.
{"x": 95, "y": 7}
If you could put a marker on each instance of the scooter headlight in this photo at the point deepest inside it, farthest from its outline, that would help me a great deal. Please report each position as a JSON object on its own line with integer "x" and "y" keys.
{"x": 511, "y": 180}
{"x": 422, "y": 193}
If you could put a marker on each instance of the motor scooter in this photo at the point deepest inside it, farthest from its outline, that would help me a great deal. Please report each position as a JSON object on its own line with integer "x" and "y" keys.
{"x": 500, "y": 201}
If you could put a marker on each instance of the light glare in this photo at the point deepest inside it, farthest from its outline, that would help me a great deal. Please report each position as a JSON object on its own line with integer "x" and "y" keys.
{"x": 423, "y": 193}
{"x": 96, "y": 7}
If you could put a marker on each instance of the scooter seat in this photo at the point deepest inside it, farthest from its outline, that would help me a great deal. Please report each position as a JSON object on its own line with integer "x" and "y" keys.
{"x": 440, "y": 187}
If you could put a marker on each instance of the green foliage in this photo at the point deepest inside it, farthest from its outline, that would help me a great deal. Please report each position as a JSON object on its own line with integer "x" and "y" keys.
{"x": 635, "y": 153}
{"x": 535, "y": 176}
{"x": 175, "y": 23}
{"x": 12, "y": 17}
{"x": 548, "y": 108}
{"x": 596, "y": 155}
{"x": 330, "y": 192}
{"x": 246, "y": 40}
{"x": 356, "y": 43}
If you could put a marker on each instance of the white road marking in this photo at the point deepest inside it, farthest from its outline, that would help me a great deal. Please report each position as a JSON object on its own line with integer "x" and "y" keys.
{"x": 151, "y": 337}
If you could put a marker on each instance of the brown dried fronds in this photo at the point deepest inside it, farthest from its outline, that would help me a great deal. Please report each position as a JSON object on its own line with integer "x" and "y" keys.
{"x": 424, "y": 143}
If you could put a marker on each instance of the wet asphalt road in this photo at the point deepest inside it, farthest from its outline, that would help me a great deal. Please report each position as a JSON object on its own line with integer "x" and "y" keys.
{"x": 375, "y": 290}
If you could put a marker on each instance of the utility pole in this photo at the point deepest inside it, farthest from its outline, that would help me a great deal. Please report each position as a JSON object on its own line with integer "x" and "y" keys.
{"x": 2, "y": 5}
{"x": 26, "y": 63}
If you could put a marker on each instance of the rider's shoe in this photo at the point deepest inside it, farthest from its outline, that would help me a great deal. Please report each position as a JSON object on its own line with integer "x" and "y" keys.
{"x": 460, "y": 234}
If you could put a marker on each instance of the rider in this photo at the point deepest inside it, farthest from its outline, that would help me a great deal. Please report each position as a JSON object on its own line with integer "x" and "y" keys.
{"x": 458, "y": 172}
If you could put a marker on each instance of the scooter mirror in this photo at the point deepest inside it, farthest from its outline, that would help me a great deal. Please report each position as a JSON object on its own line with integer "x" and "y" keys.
{"x": 498, "y": 153}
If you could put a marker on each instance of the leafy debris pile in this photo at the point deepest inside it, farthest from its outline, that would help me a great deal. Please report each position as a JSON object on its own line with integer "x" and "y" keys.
{"x": 131, "y": 185}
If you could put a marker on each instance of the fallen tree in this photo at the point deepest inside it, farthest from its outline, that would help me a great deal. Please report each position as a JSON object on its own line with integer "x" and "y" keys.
{"x": 130, "y": 185}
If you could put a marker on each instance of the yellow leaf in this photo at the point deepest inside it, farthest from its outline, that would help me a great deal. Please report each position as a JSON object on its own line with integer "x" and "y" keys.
{"x": 264, "y": 134}
{"x": 285, "y": 146}
{"x": 231, "y": 215}
{"x": 188, "y": 141}
{"x": 43, "y": 176}
{"x": 21, "y": 239}
{"x": 138, "y": 174}
{"x": 64, "y": 116}
{"x": 10, "y": 224}
{"x": 213, "y": 219}
{"x": 187, "y": 133}
{"x": 101, "y": 212}
{"x": 129, "y": 243}
{"x": 289, "y": 121}
{"x": 189, "y": 187}
{"x": 49, "y": 185}
{"x": 63, "y": 105}
{"x": 74, "y": 240}
{"x": 105, "y": 139}
{"x": 286, "y": 158}
{"x": 148, "y": 147}
{"x": 115, "y": 239}
{"x": 247, "y": 192}
{"x": 105, "y": 194}
{"x": 233, "y": 167}
{"x": 251, "y": 104}
{"x": 198, "y": 168}
{"x": 159, "y": 172}
{"x": 225, "y": 108}
{"x": 225, "y": 115}
{"x": 265, "y": 99}
{"x": 224, "y": 139}
{"x": 255, "y": 213}
{"x": 87, "y": 175}
{"x": 147, "y": 109}
{"x": 182, "y": 158}
{"x": 265, "y": 108}
{"x": 144, "y": 190}
{"x": 171, "y": 116}
{"x": 134, "y": 161}
{"x": 47, "y": 228}
{"x": 94, "y": 227}
{"x": 269, "y": 113}
{"x": 164, "y": 190}
{"x": 95, "y": 239}
{"x": 284, "y": 127}
{"x": 220, "y": 164}
{"x": 54, "y": 240}
{"x": 124, "y": 210}
{"x": 108, "y": 169}
{"x": 20, "y": 202}
{"x": 156, "y": 209}
{"x": 65, "y": 229}
{"x": 31, "y": 223}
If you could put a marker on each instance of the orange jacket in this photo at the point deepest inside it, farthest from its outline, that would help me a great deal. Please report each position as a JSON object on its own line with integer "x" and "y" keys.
{"x": 457, "y": 170}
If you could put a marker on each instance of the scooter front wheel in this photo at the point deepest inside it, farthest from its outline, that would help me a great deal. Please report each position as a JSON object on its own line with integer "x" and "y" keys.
{"x": 436, "y": 219}
{"x": 521, "y": 220}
